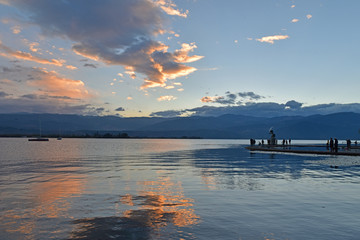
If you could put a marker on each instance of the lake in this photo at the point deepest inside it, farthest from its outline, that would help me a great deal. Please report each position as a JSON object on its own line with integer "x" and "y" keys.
{"x": 173, "y": 189}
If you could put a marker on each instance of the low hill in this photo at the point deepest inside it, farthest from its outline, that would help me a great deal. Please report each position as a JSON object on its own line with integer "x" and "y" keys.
{"x": 341, "y": 125}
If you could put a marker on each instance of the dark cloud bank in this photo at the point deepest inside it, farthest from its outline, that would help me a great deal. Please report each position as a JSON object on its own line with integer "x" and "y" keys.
{"x": 266, "y": 109}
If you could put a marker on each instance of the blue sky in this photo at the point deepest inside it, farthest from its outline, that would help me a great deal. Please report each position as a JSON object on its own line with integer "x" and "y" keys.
{"x": 167, "y": 58}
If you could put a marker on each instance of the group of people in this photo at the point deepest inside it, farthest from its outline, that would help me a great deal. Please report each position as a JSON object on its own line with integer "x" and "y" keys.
{"x": 286, "y": 142}
{"x": 333, "y": 144}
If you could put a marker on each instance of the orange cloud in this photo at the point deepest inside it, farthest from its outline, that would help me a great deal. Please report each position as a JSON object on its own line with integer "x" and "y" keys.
{"x": 271, "y": 39}
{"x": 294, "y": 20}
{"x": 16, "y": 29}
{"x": 170, "y": 8}
{"x": 33, "y": 46}
{"x": 51, "y": 84}
{"x": 71, "y": 67}
{"x": 308, "y": 16}
{"x": 182, "y": 55}
{"x": 208, "y": 99}
{"x": 9, "y": 53}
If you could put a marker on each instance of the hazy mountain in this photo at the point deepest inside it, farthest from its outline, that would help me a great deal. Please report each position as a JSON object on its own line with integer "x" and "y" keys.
{"x": 340, "y": 125}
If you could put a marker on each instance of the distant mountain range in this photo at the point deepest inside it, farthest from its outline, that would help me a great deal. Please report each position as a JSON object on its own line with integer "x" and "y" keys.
{"x": 341, "y": 125}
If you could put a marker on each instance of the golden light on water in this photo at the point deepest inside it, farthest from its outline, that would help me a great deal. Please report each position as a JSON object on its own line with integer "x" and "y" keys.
{"x": 50, "y": 199}
{"x": 163, "y": 202}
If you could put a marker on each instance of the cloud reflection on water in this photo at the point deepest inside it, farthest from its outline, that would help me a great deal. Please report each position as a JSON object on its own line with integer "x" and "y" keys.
{"x": 159, "y": 206}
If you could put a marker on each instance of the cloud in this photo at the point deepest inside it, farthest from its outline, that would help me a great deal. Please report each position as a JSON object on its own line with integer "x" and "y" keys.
{"x": 5, "y": 2}
{"x": 36, "y": 90}
{"x": 33, "y": 46}
{"x": 52, "y": 84}
{"x": 4, "y": 94}
{"x": 99, "y": 110}
{"x": 250, "y": 95}
{"x": 309, "y": 16}
{"x": 271, "y": 39}
{"x": 295, "y": 20}
{"x": 166, "y": 98}
{"x": 48, "y": 105}
{"x": 120, "y": 109}
{"x": 116, "y": 33}
{"x": 9, "y": 53}
{"x": 208, "y": 99}
{"x": 231, "y": 98}
{"x": 166, "y": 114}
{"x": 16, "y": 29}
{"x": 293, "y": 104}
{"x": 41, "y": 82}
{"x": 90, "y": 65}
{"x": 266, "y": 109}
{"x": 170, "y": 8}
{"x": 71, "y": 67}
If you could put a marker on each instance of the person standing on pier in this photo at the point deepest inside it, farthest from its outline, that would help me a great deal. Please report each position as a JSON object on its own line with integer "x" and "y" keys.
{"x": 336, "y": 145}
{"x": 331, "y": 145}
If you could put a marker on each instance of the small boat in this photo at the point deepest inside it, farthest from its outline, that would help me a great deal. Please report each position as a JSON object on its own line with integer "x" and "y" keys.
{"x": 38, "y": 139}
{"x": 59, "y": 138}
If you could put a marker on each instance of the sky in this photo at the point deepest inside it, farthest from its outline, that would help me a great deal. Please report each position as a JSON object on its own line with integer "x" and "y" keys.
{"x": 165, "y": 58}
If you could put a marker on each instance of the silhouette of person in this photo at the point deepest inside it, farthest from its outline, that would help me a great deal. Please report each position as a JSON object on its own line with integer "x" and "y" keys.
{"x": 336, "y": 145}
{"x": 331, "y": 145}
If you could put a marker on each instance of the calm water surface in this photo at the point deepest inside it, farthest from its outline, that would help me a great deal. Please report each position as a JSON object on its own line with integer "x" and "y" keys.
{"x": 173, "y": 189}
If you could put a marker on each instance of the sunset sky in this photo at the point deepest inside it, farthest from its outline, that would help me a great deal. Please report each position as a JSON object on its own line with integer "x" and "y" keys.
{"x": 180, "y": 57}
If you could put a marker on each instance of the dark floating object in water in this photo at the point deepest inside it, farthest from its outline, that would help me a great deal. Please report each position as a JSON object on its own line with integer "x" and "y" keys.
{"x": 334, "y": 166}
{"x": 38, "y": 139}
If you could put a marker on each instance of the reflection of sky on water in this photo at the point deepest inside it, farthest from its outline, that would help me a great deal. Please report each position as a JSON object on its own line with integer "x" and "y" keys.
{"x": 160, "y": 205}
{"x": 201, "y": 191}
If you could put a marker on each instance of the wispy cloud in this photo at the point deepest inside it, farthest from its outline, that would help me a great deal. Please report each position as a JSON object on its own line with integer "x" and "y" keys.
{"x": 170, "y": 8}
{"x": 271, "y": 39}
{"x": 9, "y": 53}
{"x": 90, "y": 65}
{"x": 39, "y": 81}
{"x": 117, "y": 33}
{"x": 166, "y": 98}
{"x": 309, "y": 16}
{"x": 295, "y": 20}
